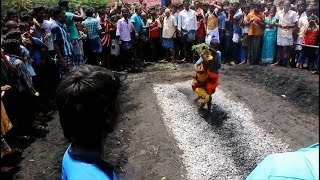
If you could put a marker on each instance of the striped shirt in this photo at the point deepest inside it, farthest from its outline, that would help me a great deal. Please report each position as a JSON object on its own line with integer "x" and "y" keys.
{"x": 60, "y": 33}
{"x": 93, "y": 27}
{"x": 22, "y": 72}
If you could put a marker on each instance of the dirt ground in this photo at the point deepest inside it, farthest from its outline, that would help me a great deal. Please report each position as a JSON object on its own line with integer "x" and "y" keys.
{"x": 285, "y": 103}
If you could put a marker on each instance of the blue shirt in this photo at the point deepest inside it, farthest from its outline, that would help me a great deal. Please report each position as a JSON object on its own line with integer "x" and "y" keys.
{"x": 215, "y": 69}
{"x": 237, "y": 30}
{"x": 93, "y": 27}
{"x": 137, "y": 22}
{"x": 80, "y": 166}
{"x": 176, "y": 15}
{"x": 28, "y": 64}
{"x": 60, "y": 33}
{"x": 222, "y": 20}
{"x": 37, "y": 50}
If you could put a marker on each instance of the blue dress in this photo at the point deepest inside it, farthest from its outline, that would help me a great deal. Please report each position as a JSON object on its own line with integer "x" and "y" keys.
{"x": 269, "y": 42}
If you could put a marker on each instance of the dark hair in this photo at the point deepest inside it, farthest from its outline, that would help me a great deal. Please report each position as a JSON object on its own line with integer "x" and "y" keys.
{"x": 89, "y": 12}
{"x": 24, "y": 16}
{"x": 312, "y": 18}
{"x": 101, "y": 11}
{"x": 273, "y": 8}
{"x": 11, "y": 46}
{"x": 56, "y": 11}
{"x": 257, "y": 3}
{"x": 38, "y": 9}
{"x": 226, "y": 3}
{"x": 24, "y": 25}
{"x": 12, "y": 34}
{"x": 11, "y": 12}
{"x": 87, "y": 104}
{"x": 63, "y": 3}
{"x": 50, "y": 10}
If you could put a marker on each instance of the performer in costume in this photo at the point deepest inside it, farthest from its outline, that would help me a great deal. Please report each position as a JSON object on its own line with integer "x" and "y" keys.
{"x": 200, "y": 79}
{"x": 207, "y": 75}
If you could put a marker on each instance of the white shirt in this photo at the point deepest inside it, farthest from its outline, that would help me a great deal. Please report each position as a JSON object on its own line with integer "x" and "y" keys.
{"x": 245, "y": 29}
{"x": 302, "y": 23}
{"x": 288, "y": 19}
{"x": 238, "y": 13}
{"x": 169, "y": 26}
{"x": 187, "y": 20}
{"x": 47, "y": 24}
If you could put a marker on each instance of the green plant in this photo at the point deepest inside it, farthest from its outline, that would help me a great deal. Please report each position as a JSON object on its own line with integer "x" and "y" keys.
{"x": 199, "y": 48}
{"x": 19, "y": 5}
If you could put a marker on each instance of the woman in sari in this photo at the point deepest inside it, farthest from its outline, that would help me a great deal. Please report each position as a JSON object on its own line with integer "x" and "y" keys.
{"x": 269, "y": 38}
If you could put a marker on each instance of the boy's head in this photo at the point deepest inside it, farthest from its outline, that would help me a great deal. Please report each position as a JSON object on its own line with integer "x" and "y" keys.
{"x": 312, "y": 20}
{"x": 87, "y": 102}
{"x": 257, "y": 7}
{"x": 89, "y": 12}
{"x": 102, "y": 14}
{"x": 40, "y": 13}
{"x": 27, "y": 17}
{"x": 24, "y": 27}
{"x": 12, "y": 15}
{"x": 12, "y": 46}
{"x": 64, "y": 4}
{"x": 214, "y": 44}
{"x": 59, "y": 14}
{"x": 125, "y": 12}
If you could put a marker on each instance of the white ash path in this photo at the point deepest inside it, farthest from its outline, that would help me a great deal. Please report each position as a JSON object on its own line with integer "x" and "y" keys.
{"x": 226, "y": 152}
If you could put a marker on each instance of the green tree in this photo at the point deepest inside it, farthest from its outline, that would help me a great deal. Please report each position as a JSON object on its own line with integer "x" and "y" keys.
{"x": 25, "y": 5}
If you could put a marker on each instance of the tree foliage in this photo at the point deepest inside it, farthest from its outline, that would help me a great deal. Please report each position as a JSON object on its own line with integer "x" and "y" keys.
{"x": 25, "y": 5}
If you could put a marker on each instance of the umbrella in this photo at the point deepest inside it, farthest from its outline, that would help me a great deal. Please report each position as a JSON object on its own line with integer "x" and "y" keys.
{"x": 299, "y": 165}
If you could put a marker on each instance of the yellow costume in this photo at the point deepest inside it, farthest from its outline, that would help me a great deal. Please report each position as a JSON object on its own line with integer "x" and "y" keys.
{"x": 200, "y": 81}
{"x": 5, "y": 122}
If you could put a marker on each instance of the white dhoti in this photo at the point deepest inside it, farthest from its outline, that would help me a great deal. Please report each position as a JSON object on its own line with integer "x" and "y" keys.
{"x": 212, "y": 34}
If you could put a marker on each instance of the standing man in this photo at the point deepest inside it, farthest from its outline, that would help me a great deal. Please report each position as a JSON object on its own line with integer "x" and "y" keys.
{"x": 93, "y": 29}
{"x": 256, "y": 21}
{"x": 187, "y": 25}
{"x": 298, "y": 31}
{"x": 61, "y": 41}
{"x": 213, "y": 23}
{"x": 39, "y": 15}
{"x": 124, "y": 30}
{"x": 169, "y": 32}
{"x": 138, "y": 26}
{"x": 177, "y": 40}
{"x": 286, "y": 21}
{"x": 73, "y": 31}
